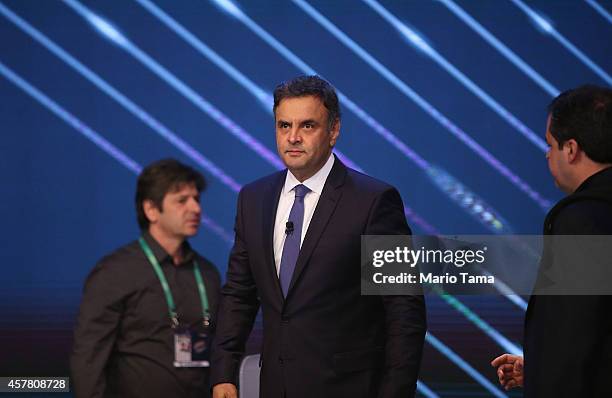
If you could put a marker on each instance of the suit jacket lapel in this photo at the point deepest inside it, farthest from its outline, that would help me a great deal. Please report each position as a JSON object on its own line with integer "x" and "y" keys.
{"x": 325, "y": 208}
{"x": 271, "y": 198}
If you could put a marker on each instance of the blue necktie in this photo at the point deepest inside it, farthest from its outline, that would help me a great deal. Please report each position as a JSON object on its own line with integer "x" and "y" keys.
{"x": 291, "y": 248}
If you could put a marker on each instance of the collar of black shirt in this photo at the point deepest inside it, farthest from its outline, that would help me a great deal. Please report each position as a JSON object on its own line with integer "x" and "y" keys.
{"x": 162, "y": 256}
{"x": 602, "y": 178}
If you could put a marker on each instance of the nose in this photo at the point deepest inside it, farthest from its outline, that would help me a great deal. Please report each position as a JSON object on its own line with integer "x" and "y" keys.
{"x": 294, "y": 136}
{"x": 195, "y": 206}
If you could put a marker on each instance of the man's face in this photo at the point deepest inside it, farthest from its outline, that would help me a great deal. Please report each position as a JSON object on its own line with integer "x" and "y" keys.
{"x": 180, "y": 214}
{"x": 557, "y": 160}
{"x": 303, "y": 139}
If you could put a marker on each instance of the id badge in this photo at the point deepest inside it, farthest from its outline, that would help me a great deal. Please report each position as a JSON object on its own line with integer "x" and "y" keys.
{"x": 191, "y": 348}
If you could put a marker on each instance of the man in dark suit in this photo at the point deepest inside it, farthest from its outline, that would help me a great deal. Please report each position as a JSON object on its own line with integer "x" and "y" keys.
{"x": 568, "y": 339}
{"x": 297, "y": 253}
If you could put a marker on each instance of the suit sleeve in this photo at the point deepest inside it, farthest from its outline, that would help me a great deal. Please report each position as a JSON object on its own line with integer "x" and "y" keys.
{"x": 405, "y": 320}
{"x": 567, "y": 333}
{"x": 238, "y": 307}
{"x": 95, "y": 333}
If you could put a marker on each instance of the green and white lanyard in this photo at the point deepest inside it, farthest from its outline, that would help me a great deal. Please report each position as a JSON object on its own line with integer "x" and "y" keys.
{"x": 164, "y": 282}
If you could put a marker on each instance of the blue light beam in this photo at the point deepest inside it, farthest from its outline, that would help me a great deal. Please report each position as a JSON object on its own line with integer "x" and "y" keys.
{"x": 129, "y": 105}
{"x": 602, "y": 11}
{"x": 469, "y": 201}
{"x": 93, "y": 136}
{"x": 451, "y": 69}
{"x": 426, "y": 391}
{"x": 264, "y": 98}
{"x": 190, "y": 94}
{"x": 501, "y": 47}
{"x": 463, "y": 365}
{"x": 548, "y": 28}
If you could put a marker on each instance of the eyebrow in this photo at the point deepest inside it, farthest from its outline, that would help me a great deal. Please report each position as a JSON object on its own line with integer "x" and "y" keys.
{"x": 181, "y": 197}
{"x": 302, "y": 122}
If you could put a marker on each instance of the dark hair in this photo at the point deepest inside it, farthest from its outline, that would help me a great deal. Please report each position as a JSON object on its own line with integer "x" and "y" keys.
{"x": 303, "y": 86}
{"x": 585, "y": 115}
{"x": 159, "y": 178}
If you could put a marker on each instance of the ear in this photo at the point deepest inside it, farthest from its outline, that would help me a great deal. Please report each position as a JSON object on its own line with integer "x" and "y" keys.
{"x": 571, "y": 150}
{"x": 150, "y": 210}
{"x": 334, "y": 133}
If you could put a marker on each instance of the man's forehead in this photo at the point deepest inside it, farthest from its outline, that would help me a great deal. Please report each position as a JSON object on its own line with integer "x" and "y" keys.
{"x": 550, "y": 139}
{"x": 548, "y": 121}
{"x": 183, "y": 188}
{"x": 300, "y": 107}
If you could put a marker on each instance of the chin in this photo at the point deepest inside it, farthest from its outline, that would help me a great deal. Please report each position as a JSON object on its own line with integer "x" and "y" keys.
{"x": 292, "y": 162}
{"x": 296, "y": 164}
{"x": 191, "y": 231}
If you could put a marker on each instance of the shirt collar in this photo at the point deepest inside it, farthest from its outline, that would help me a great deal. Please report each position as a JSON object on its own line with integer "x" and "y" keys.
{"x": 602, "y": 177}
{"x": 314, "y": 183}
{"x": 162, "y": 256}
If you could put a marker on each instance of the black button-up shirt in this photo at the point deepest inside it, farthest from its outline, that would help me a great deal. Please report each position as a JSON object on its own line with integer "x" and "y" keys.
{"x": 123, "y": 342}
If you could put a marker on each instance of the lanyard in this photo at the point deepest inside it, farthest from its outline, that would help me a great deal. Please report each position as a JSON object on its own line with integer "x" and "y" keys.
{"x": 164, "y": 282}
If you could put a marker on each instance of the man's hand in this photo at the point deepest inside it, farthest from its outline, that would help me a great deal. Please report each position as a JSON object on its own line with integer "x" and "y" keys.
{"x": 509, "y": 370}
{"x": 225, "y": 390}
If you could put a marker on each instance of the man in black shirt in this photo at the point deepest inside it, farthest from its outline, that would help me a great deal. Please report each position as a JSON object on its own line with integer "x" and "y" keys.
{"x": 135, "y": 337}
{"x": 568, "y": 338}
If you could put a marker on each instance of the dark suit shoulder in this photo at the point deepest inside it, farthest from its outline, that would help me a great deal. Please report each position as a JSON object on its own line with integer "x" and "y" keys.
{"x": 366, "y": 183}
{"x": 361, "y": 183}
{"x": 263, "y": 183}
{"x": 586, "y": 216}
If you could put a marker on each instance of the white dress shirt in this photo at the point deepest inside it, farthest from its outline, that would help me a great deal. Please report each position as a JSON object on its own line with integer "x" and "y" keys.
{"x": 287, "y": 197}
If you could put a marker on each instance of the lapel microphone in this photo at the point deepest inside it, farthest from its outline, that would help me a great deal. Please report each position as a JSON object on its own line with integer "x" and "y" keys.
{"x": 289, "y": 228}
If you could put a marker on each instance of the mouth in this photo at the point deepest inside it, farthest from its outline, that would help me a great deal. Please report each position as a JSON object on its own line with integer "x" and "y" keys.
{"x": 294, "y": 152}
